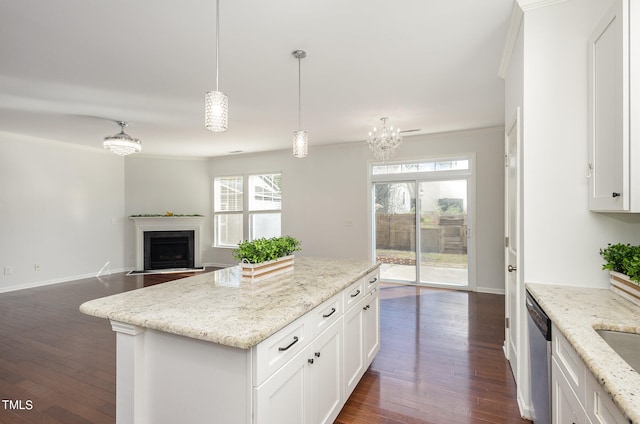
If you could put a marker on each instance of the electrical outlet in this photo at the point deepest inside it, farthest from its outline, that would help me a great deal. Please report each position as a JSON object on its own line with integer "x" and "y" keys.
{"x": 8, "y": 270}
{"x": 36, "y": 267}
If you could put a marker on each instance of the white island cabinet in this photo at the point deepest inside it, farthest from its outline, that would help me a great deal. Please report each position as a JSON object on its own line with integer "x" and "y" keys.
{"x": 214, "y": 349}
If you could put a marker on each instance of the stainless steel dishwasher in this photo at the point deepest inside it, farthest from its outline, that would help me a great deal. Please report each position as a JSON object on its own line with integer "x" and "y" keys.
{"x": 540, "y": 361}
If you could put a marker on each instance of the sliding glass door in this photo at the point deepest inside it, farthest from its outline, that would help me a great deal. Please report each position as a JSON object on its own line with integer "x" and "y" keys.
{"x": 395, "y": 229}
{"x": 421, "y": 224}
{"x": 443, "y": 232}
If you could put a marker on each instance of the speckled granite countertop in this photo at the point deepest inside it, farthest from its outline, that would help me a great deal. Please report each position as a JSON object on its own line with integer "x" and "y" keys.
{"x": 578, "y": 312}
{"x": 218, "y": 307}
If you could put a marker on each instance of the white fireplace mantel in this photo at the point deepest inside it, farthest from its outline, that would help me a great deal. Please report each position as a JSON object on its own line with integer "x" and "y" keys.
{"x": 167, "y": 223}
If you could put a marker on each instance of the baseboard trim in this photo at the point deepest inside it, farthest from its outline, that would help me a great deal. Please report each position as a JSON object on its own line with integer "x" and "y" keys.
{"x": 490, "y": 290}
{"x": 58, "y": 280}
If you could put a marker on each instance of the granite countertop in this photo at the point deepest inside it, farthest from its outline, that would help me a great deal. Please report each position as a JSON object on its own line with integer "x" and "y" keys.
{"x": 219, "y": 307}
{"x": 578, "y": 312}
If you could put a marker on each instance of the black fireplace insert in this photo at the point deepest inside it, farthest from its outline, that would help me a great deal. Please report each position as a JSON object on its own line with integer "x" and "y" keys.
{"x": 168, "y": 249}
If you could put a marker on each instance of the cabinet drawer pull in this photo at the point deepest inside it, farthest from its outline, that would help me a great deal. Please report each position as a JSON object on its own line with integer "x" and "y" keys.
{"x": 373, "y": 281}
{"x": 366, "y": 307}
{"x": 614, "y": 194}
{"x": 333, "y": 311}
{"x": 356, "y": 293}
{"x": 295, "y": 340}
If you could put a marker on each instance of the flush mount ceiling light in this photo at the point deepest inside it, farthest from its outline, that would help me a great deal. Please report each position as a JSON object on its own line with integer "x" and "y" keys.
{"x": 122, "y": 144}
{"x": 300, "y": 137}
{"x": 383, "y": 143}
{"x": 216, "y": 103}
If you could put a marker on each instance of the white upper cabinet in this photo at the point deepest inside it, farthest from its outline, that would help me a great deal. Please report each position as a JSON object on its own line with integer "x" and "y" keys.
{"x": 614, "y": 115}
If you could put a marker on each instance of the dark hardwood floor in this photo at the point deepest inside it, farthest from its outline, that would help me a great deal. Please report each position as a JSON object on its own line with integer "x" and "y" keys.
{"x": 440, "y": 361}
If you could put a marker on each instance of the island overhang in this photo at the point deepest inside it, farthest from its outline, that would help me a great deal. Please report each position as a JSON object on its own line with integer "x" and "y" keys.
{"x": 219, "y": 307}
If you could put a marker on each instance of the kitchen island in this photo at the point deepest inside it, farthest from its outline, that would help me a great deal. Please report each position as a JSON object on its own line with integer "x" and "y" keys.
{"x": 213, "y": 348}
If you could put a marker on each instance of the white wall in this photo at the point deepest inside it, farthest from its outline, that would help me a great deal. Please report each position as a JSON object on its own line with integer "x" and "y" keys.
{"x": 161, "y": 185}
{"x": 562, "y": 237}
{"x": 66, "y": 207}
{"x": 61, "y": 207}
{"x": 324, "y": 197}
{"x": 326, "y": 203}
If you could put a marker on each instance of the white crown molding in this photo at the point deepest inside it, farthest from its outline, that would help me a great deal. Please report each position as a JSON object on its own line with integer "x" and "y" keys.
{"x": 512, "y": 35}
{"x": 526, "y": 5}
{"x": 517, "y": 13}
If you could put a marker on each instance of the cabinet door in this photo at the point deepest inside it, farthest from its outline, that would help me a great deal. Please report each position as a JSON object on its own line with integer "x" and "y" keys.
{"x": 609, "y": 112}
{"x": 599, "y": 406}
{"x": 353, "y": 357}
{"x": 281, "y": 399}
{"x": 565, "y": 407}
{"x": 325, "y": 391}
{"x": 371, "y": 326}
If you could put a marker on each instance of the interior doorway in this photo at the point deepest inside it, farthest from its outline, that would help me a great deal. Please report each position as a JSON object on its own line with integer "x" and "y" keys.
{"x": 422, "y": 222}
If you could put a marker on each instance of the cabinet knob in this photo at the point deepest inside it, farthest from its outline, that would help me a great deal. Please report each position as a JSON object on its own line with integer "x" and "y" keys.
{"x": 614, "y": 194}
{"x": 317, "y": 354}
{"x": 310, "y": 361}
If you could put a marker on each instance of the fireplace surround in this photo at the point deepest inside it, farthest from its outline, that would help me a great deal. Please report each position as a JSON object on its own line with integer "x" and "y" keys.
{"x": 167, "y": 228}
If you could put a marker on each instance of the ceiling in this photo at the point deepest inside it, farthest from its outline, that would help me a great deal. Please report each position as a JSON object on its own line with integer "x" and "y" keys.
{"x": 69, "y": 68}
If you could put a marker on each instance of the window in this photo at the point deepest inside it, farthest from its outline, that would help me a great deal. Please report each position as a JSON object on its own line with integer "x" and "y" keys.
{"x": 228, "y": 211}
{"x": 423, "y": 166}
{"x": 246, "y": 205}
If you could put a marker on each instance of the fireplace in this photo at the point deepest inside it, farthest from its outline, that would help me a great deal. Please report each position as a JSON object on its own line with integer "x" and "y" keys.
{"x": 167, "y": 227}
{"x": 168, "y": 249}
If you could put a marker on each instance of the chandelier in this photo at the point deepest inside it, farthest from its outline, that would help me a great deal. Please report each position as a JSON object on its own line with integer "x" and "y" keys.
{"x": 216, "y": 103}
{"x": 383, "y": 143}
{"x": 122, "y": 144}
{"x": 300, "y": 137}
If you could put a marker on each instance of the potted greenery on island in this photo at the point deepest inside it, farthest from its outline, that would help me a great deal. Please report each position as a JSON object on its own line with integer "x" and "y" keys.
{"x": 266, "y": 257}
{"x": 623, "y": 263}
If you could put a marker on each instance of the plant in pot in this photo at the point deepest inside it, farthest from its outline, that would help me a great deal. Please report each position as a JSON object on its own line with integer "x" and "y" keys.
{"x": 623, "y": 263}
{"x": 266, "y": 257}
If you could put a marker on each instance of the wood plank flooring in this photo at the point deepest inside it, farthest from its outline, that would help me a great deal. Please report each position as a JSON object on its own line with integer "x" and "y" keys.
{"x": 440, "y": 361}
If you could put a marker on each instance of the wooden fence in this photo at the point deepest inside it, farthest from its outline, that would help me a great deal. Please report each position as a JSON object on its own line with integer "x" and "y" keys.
{"x": 442, "y": 234}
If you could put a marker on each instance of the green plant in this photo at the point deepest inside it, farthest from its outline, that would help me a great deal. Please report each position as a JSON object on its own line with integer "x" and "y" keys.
{"x": 631, "y": 264}
{"x": 263, "y": 249}
{"x": 623, "y": 258}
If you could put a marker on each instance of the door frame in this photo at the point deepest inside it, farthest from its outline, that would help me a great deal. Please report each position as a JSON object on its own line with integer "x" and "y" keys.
{"x": 515, "y": 311}
{"x": 416, "y": 178}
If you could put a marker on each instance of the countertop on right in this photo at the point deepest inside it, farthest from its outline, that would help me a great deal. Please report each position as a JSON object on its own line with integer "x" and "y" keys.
{"x": 578, "y": 312}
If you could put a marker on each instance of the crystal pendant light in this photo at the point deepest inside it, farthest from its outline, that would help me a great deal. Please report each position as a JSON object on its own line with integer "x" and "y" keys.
{"x": 383, "y": 143}
{"x": 122, "y": 144}
{"x": 216, "y": 103}
{"x": 300, "y": 137}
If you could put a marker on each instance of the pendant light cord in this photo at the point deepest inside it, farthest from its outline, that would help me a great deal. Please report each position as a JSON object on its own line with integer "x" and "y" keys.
{"x": 299, "y": 93}
{"x": 217, "y": 38}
